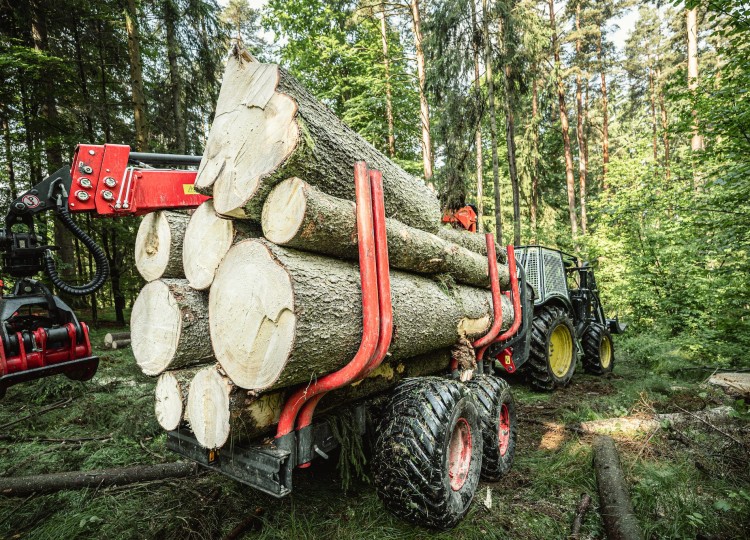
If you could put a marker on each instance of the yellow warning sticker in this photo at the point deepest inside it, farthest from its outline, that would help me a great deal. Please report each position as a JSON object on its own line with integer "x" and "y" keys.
{"x": 189, "y": 189}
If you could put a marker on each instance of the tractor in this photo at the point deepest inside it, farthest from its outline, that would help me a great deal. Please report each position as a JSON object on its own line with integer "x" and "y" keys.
{"x": 568, "y": 321}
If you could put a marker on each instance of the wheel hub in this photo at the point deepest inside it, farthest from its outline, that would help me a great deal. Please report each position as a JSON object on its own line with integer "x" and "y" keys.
{"x": 605, "y": 352}
{"x": 459, "y": 454}
{"x": 560, "y": 350}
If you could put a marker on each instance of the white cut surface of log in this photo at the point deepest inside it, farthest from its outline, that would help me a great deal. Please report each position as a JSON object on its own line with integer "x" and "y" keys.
{"x": 208, "y": 407}
{"x": 168, "y": 403}
{"x": 158, "y": 245}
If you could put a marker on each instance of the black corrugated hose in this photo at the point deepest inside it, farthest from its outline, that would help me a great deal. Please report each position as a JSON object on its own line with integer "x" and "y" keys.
{"x": 102, "y": 265}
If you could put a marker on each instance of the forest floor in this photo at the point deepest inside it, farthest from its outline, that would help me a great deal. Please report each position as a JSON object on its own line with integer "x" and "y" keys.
{"x": 695, "y": 485}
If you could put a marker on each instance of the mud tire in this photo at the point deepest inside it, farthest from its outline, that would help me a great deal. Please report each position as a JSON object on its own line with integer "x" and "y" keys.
{"x": 546, "y": 320}
{"x": 592, "y": 350}
{"x": 411, "y": 463}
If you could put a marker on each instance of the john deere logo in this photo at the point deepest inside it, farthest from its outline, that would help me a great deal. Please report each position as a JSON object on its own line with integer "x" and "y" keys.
{"x": 31, "y": 201}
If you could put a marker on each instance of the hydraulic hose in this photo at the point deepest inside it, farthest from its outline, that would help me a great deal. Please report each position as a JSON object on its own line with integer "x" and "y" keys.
{"x": 102, "y": 265}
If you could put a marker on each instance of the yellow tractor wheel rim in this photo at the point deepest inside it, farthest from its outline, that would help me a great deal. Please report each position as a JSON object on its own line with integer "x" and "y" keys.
{"x": 605, "y": 352}
{"x": 560, "y": 350}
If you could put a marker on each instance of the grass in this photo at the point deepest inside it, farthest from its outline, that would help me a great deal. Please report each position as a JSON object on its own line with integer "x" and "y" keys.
{"x": 698, "y": 489}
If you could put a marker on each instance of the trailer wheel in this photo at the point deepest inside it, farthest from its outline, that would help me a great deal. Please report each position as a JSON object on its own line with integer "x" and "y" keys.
{"x": 552, "y": 358}
{"x": 598, "y": 350}
{"x": 497, "y": 411}
{"x": 428, "y": 455}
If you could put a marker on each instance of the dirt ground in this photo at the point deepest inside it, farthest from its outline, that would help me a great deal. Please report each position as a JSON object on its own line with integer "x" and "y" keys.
{"x": 688, "y": 483}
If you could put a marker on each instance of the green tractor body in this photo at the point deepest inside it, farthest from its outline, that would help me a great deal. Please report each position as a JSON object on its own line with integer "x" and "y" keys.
{"x": 569, "y": 320}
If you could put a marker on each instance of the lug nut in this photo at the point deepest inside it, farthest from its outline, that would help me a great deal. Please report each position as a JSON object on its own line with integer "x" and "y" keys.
{"x": 107, "y": 195}
{"x": 85, "y": 169}
{"x": 82, "y": 195}
{"x": 84, "y": 182}
{"x": 110, "y": 182}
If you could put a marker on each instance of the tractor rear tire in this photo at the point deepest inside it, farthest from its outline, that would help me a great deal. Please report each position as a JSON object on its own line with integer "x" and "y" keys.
{"x": 497, "y": 410}
{"x": 428, "y": 455}
{"x": 598, "y": 350}
{"x": 552, "y": 351}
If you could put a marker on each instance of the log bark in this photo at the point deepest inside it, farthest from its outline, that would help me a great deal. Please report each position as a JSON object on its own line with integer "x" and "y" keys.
{"x": 280, "y": 317}
{"x": 219, "y": 411}
{"x": 268, "y": 127}
{"x": 631, "y": 425}
{"x": 171, "y": 397}
{"x": 158, "y": 245}
{"x": 298, "y": 215}
{"x": 471, "y": 241}
{"x": 114, "y": 336}
{"x": 208, "y": 237}
{"x": 25, "y": 486}
{"x": 121, "y": 344}
{"x": 169, "y": 326}
{"x": 614, "y": 497}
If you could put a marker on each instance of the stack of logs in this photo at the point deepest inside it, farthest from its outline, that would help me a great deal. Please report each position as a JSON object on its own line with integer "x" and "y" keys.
{"x": 257, "y": 291}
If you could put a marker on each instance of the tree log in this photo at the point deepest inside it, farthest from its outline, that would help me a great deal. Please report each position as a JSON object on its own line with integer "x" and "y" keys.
{"x": 114, "y": 336}
{"x": 614, "y": 497}
{"x": 298, "y": 215}
{"x": 169, "y": 326}
{"x": 208, "y": 237}
{"x": 158, "y": 245}
{"x": 280, "y": 317}
{"x": 268, "y": 127}
{"x": 24, "y": 486}
{"x": 121, "y": 344}
{"x": 171, "y": 397}
{"x": 219, "y": 409}
{"x": 471, "y": 241}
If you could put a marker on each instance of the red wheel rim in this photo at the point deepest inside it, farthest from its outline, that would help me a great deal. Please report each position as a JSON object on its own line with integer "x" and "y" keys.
{"x": 459, "y": 454}
{"x": 503, "y": 429}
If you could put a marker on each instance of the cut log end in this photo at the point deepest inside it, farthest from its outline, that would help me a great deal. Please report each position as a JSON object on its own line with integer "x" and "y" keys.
{"x": 155, "y": 327}
{"x": 208, "y": 237}
{"x": 158, "y": 245}
{"x": 208, "y": 407}
{"x": 252, "y": 318}
{"x": 168, "y": 405}
{"x": 284, "y": 211}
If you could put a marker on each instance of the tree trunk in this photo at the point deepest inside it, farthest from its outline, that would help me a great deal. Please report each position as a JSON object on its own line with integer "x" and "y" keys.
{"x": 169, "y": 326}
{"x": 493, "y": 120}
{"x": 696, "y": 142}
{"x": 582, "y": 164}
{"x": 25, "y": 486}
{"x": 136, "y": 76}
{"x": 614, "y": 496}
{"x": 9, "y": 168}
{"x": 219, "y": 409}
{"x": 111, "y": 337}
{"x": 664, "y": 124}
{"x": 281, "y": 317}
{"x": 475, "y": 42}
{"x": 158, "y": 245}
{"x": 299, "y": 216}
{"x": 424, "y": 109}
{"x": 103, "y": 82}
{"x": 268, "y": 128}
{"x": 175, "y": 79}
{"x": 652, "y": 101}
{"x": 171, "y": 397}
{"x": 208, "y": 237}
{"x": 471, "y": 241}
{"x": 510, "y": 138}
{"x": 121, "y": 344}
{"x": 388, "y": 97}
{"x": 534, "y": 207}
{"x": 53, "y": 150}
{"x": 570, "y": 179}
{"x": 605, "y": 113}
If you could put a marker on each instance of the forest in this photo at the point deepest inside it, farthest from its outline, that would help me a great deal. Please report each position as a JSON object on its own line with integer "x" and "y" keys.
{"x": 628, "y": 148}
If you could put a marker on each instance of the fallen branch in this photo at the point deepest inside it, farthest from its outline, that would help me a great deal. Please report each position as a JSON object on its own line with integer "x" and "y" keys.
{"x": 252, "y": 523}
{"x": 73, "y": 440}
{"x": 23, "y": 486}
{"x": 704, "y": 421}
{"x": 614, "y": 498}
{"x": 37, "y": 413}
{"x": 583, "y": 507}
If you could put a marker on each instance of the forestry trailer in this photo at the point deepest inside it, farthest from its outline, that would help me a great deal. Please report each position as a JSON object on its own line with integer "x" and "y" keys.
{"x": 435, "y": 432}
